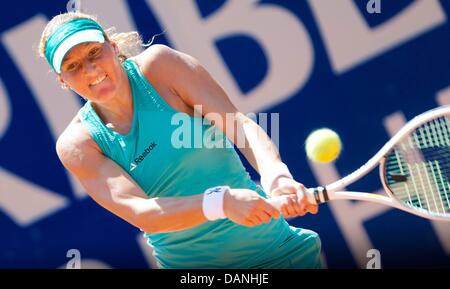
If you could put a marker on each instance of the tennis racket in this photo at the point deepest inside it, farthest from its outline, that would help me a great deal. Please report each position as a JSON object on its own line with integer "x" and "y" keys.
{"x": 414, "y": 169}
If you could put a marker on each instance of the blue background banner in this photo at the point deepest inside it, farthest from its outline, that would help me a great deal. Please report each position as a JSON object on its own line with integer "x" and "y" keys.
{"x": 317, "y": 63}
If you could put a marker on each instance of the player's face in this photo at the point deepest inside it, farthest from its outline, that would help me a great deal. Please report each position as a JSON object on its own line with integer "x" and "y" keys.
{"x": 93, "y": 70}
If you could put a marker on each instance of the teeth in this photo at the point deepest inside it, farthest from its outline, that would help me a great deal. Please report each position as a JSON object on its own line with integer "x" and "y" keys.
{"x": 98, "y": 80}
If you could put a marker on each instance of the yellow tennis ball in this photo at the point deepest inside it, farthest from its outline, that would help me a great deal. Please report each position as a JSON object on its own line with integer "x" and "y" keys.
{"x": 323, "y": 145}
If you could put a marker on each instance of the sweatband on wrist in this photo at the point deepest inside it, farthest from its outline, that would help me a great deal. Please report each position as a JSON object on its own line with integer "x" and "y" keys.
{"x": 275, "y": 171}
{"x": 213, "y": 202}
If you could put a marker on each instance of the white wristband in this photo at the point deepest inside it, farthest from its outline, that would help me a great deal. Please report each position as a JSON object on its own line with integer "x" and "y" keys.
{"x": 213, "y": 203}
{"x": 275, "y": 171}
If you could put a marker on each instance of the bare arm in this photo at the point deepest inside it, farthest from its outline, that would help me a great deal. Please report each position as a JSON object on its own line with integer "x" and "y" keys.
{"x": 112, "y": 188}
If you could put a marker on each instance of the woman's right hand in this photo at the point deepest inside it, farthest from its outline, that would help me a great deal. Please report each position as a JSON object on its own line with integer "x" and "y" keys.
{"x": 248, "y": 208}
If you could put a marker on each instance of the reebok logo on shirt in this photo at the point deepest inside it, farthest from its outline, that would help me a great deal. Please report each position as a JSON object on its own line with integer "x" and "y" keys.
{"x": 142, "y": 156}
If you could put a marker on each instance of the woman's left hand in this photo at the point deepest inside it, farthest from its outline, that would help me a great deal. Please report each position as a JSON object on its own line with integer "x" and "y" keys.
{"x": 297, "y": 203}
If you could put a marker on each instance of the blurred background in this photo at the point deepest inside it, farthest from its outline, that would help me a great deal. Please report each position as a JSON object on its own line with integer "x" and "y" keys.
{"x": 360, "y": 68}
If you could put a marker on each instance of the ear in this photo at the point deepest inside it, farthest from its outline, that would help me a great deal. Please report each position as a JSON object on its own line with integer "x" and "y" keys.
{"x": 60, "y": 79}
{"x": 62, "y": 82}
{"x": 115, "y": 47}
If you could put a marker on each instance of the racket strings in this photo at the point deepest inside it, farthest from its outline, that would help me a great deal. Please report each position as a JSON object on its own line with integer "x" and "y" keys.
{"x": 418, "y": 169}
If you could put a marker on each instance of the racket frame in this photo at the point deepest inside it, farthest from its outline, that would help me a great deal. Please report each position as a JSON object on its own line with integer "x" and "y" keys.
{"x": 334, "y": 191}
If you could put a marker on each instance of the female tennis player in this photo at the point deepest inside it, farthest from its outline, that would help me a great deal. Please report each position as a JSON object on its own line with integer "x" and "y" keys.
{"x": 197, "y": 205}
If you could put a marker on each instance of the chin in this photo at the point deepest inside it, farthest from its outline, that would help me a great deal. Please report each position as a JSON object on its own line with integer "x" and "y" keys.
{"x": 104, "y": 94}
{"x": 104, "y": 98}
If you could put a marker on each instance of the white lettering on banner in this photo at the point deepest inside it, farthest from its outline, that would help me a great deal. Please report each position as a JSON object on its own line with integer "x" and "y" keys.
{"x": 350, "y": 41}
{"x": 117, "y": 13}
{"x": 287, "y": 45}
{"x": 5, "y": 115}
{"x": 25, "y": 202}
{"x": 39, "y": 202}
{"x": 58, "y": 107}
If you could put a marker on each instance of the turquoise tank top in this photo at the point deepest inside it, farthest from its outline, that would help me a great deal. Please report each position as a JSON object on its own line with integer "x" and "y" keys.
{"x": 146, "y": 153}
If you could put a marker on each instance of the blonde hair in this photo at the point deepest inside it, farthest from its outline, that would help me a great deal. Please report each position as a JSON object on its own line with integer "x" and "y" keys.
{"x": 129, "y": 43}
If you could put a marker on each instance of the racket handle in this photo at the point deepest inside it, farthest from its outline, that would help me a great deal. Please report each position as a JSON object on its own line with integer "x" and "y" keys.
{"x": 317, "y": 196}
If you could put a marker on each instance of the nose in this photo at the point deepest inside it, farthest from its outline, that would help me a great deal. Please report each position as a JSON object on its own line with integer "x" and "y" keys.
{"x": 90, "y": 68}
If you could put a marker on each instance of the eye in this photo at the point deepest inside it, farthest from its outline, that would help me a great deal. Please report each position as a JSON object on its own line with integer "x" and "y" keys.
{"x": 94, "y": 52}
{"x": 72, "y": 66}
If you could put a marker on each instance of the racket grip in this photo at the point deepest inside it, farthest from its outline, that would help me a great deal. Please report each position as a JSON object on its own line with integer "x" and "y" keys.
{"x": 315, "y": 196}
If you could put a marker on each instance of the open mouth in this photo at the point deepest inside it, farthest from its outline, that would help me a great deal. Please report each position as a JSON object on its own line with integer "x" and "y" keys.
{"x": 98, "y": 80}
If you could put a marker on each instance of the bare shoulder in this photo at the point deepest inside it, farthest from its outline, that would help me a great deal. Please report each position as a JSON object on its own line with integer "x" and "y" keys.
{"x": 156, "y": 53}
{"x": 170, "y": 72}
{"x": 164, "y": 60}
{"x": 75, "y": 147}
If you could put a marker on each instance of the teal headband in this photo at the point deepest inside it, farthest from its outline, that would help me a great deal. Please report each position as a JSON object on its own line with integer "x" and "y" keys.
{"x": 68, "y": 35}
